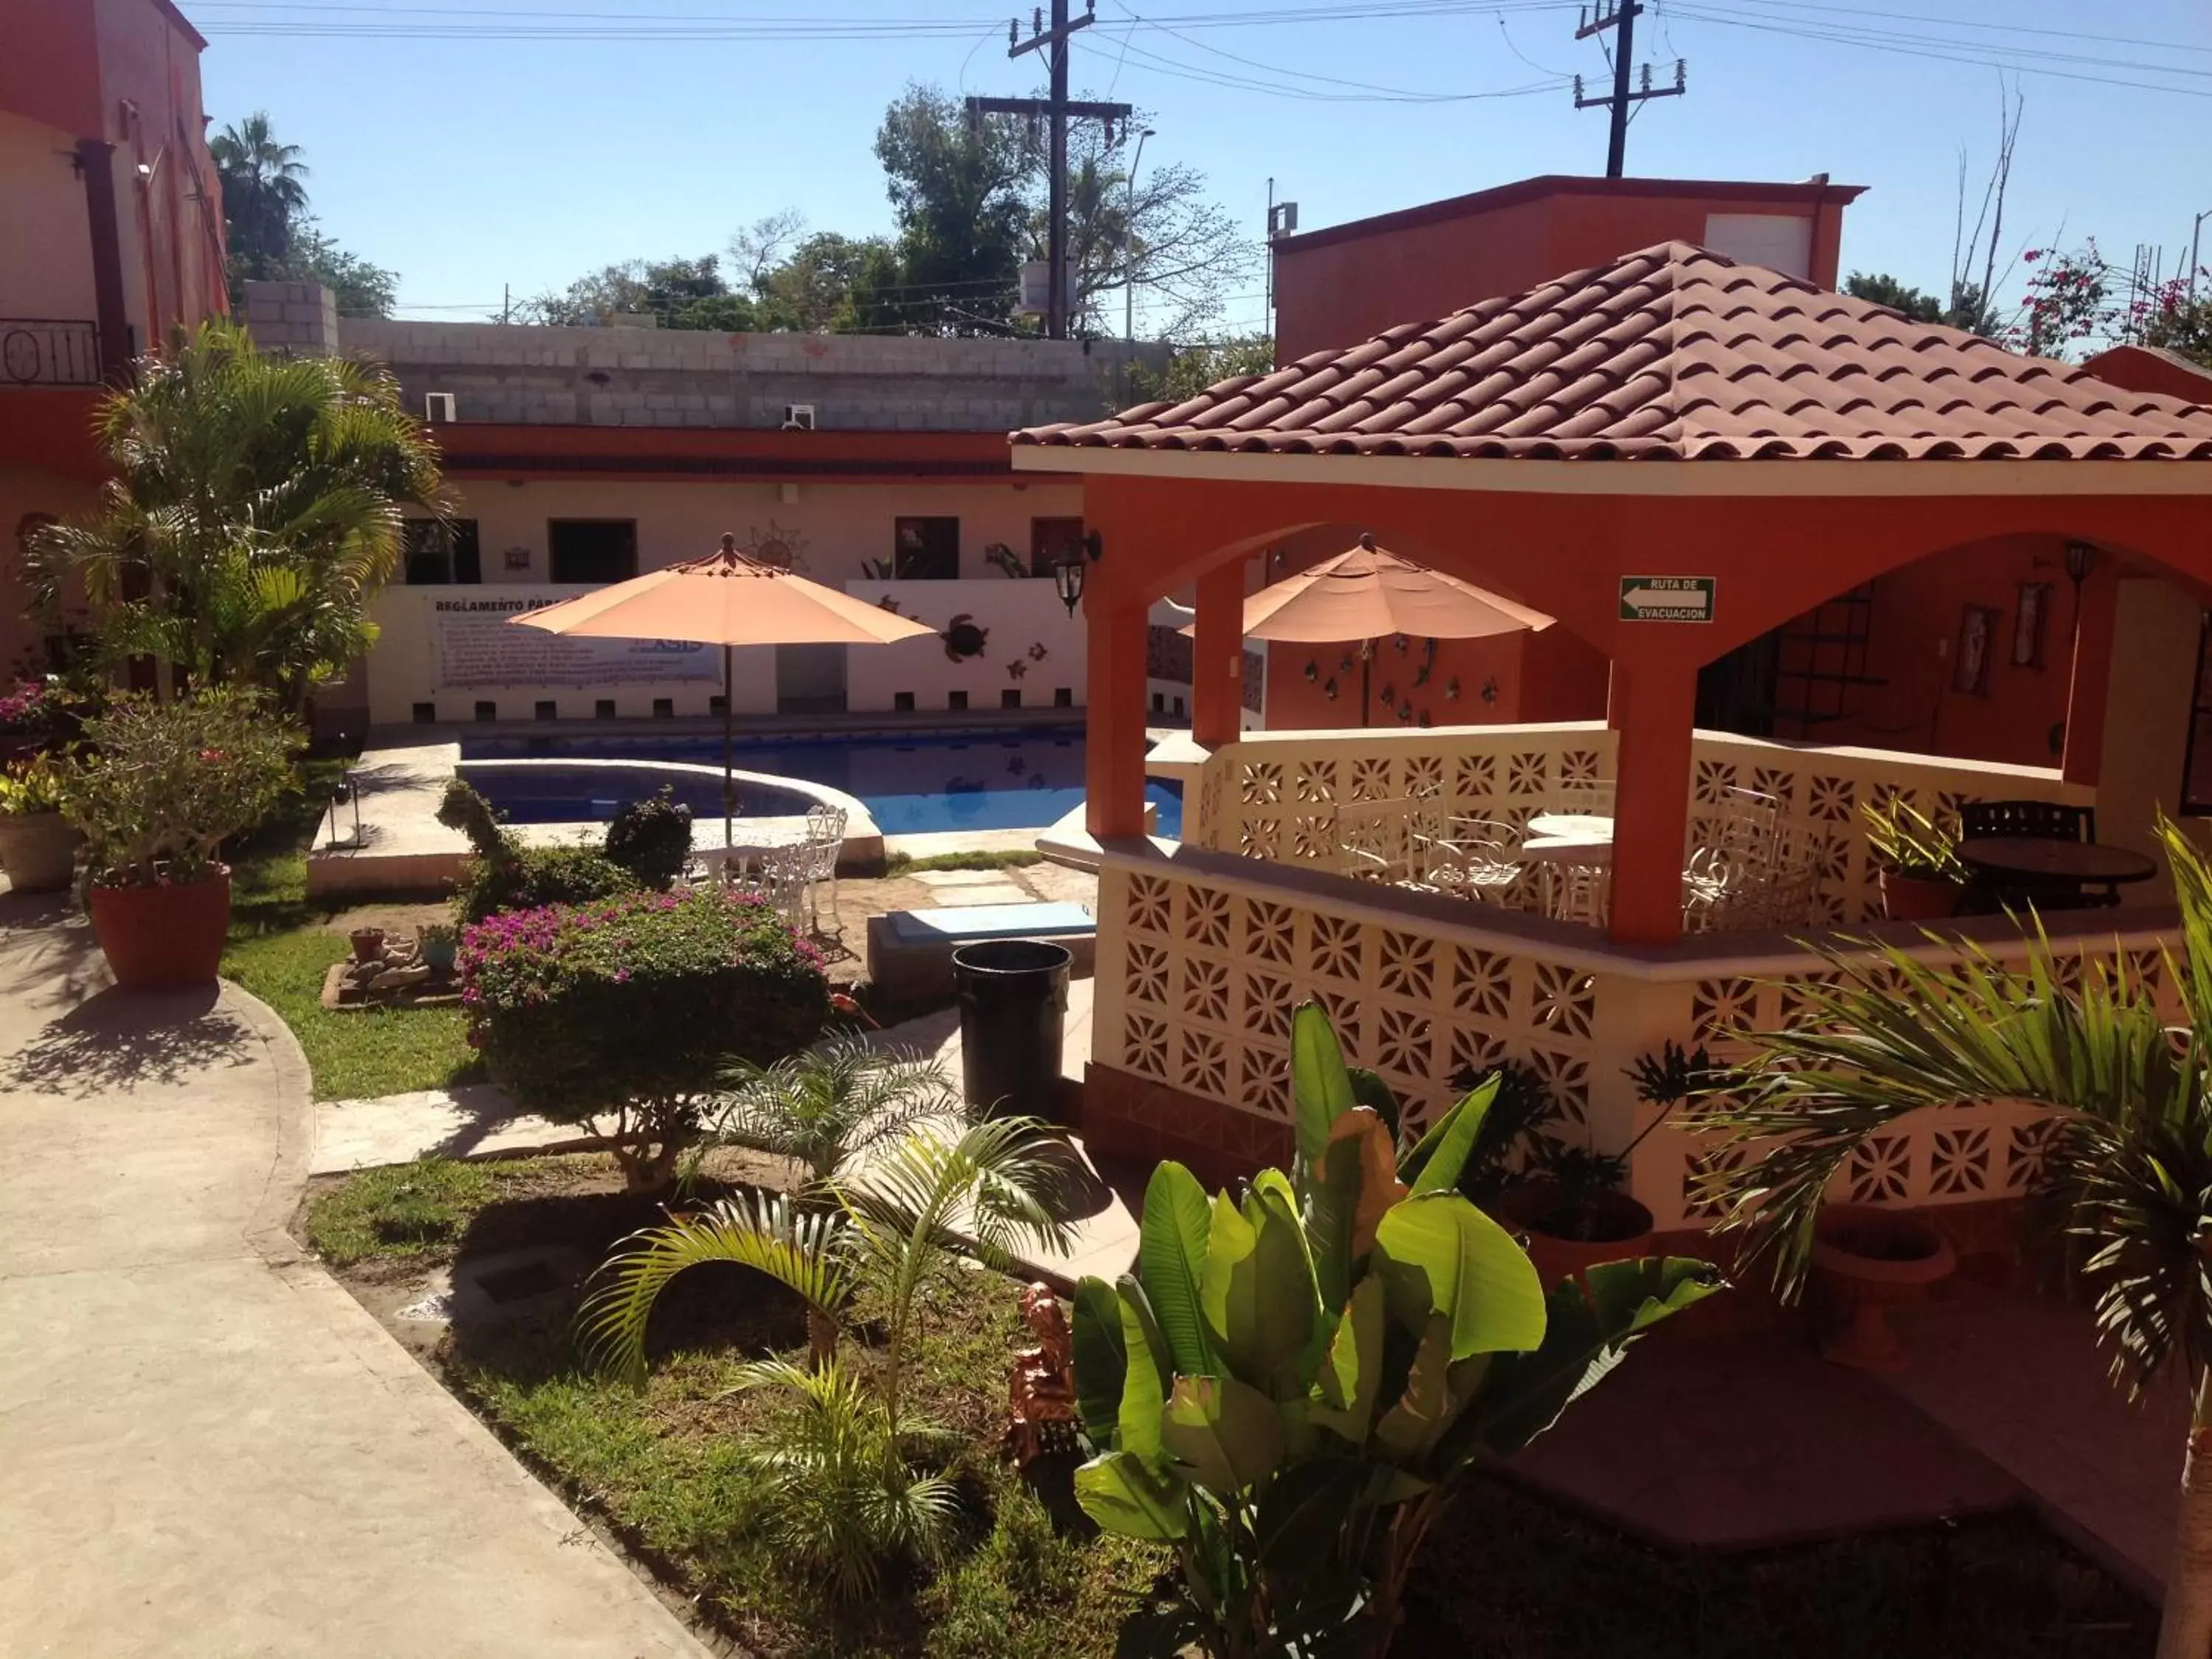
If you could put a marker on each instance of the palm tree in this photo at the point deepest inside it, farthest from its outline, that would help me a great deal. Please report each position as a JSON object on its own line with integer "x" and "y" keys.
{"x": 828, "y": 1108}
{"x": 254, "y": 513}
{"x": 2127, "y": 1168}
{"x": 263, "y": 192}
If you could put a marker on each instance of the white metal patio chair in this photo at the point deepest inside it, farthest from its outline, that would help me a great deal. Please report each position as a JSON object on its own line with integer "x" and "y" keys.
{"x": 1469, "y": 858}
{"x": 825, "y": 841}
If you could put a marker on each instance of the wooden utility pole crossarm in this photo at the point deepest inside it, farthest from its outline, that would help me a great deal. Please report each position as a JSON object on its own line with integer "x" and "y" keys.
{"x": 1057, "y": 110}
{"x": 1621, "y": 16}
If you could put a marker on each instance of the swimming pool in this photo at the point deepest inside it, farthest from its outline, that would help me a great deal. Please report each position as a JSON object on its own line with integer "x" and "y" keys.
{"x": 912, "y": 783}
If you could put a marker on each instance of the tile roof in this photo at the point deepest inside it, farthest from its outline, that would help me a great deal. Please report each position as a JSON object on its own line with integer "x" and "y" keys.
{"x": 1671, "y": 353}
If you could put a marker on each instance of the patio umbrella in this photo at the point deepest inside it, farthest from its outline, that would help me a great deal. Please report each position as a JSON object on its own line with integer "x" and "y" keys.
{"x": 729, "y": 599}
{"x": 1370, "y": 593}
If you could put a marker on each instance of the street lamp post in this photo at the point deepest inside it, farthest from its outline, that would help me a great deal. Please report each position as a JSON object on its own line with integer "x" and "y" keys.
{"x": 1129, "y": 247}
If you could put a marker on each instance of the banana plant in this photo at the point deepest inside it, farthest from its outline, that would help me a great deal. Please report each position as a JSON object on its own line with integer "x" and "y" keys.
{"x": 1292, "y": 1384}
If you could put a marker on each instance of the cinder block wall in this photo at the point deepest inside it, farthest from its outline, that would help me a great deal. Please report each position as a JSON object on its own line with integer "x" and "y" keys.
{"x": 647, "y": 377}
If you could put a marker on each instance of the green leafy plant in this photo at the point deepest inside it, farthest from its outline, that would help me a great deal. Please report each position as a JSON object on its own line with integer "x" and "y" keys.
{"x": 254, "y": 512}
{"x": 1292, "y": 1384}
{"x": 32, "y": 785}
{"x": 894, "y": 1220}
{"x": 828, "y": 1107}
{"x": 631, "y": 1007}
{"x": 651, "y": 838}
{"x": 831, "y": 1485}
{"x": 159, "y": 786}
{"x": 504, "y": 874}
{"x": 1511, "y": 1132}
{"x": 2127, "y": 1156}
{"x": 1906, "y": 841}
{"x": 1581, "y": 1192}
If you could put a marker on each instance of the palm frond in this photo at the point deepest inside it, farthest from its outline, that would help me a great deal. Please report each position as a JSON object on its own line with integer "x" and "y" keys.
{"x": 800, "y": 1250}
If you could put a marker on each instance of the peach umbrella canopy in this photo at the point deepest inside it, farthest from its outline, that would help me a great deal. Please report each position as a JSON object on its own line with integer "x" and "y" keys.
{"x": 725, "y": 598}
{"x": 1370, "y": 592}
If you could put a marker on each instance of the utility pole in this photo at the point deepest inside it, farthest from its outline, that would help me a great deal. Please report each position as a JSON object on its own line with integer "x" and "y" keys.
{"x": 1057, "y": 109}
{"x": 1621, "y": 15}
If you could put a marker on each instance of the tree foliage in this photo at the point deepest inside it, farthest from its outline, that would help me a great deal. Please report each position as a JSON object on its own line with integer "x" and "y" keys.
{"x": 254, "y": 512}
{"x": 1966, "y": 309}
{"x": 272, "y": 235}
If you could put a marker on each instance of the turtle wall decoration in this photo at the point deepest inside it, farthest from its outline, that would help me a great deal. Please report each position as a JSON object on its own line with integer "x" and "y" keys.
{"x": 964, "y": 639}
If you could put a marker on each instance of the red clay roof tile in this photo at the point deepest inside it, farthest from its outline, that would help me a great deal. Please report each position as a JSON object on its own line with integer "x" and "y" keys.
{"x": 1671, "y": 353}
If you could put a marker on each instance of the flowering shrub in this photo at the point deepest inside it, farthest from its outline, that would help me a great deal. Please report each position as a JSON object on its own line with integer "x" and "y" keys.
{"x": 163, "y": 784}
{"x": 29, "y": 708}
{"x": 630, "y": 1008}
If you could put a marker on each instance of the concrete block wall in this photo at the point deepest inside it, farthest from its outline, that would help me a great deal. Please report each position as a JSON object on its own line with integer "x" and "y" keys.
{"x": 645, "y": 377}
{"x": 300, "y": 318}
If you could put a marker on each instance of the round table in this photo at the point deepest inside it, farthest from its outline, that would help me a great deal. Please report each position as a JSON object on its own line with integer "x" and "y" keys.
{"x": 1568, "y": 838}
{"x": 2038, "y": 861}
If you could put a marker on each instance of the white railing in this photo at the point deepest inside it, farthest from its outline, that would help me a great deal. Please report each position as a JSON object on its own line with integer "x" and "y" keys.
{"x": 1202, "y": 957}
{"x": 1276, "y": 795}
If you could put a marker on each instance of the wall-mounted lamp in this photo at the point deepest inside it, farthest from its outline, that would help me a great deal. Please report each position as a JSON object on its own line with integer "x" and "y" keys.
{"x": 2079, "y": 556}
{"x": 1073, "y": 567}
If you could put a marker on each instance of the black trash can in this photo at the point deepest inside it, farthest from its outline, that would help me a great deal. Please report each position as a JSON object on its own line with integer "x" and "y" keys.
{"x": 1013, "y": 1000}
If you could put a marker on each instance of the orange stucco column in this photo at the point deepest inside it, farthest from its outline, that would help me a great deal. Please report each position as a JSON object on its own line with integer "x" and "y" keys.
{"x": 1653, "y": 706}
{"x": 2084, "y": 758}
{"x": 1114, "y": 721}
{"x": 1217, "y": 672}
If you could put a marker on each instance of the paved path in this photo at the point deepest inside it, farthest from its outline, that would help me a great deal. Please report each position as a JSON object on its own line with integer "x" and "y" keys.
{"x": 209, "y": 1448}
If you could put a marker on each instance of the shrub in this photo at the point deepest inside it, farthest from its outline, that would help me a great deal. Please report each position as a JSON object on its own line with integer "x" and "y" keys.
{"x": 651, "y": 838}
{"x": 506, "y": 875}
{"x": 163, "y": 784}
{"x": 631, "y": 1007}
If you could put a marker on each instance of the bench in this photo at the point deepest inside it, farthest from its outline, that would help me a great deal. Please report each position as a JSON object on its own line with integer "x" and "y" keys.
{"x": 910, "y": 951}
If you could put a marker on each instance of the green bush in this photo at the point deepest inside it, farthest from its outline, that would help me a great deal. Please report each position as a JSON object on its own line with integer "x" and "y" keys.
{"x": 651, "y": 838}
{"x": 631, "y": 1007}
{"x": 506, "y": 875}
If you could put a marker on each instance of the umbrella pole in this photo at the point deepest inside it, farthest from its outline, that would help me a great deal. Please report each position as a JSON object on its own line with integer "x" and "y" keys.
{"x": 1366, "y": 665}
{"x": 729, "y": 779}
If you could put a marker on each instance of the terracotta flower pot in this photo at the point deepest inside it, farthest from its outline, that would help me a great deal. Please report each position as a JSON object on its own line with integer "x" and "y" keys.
{"x": 38, "y": 851}
{"x": 368, "y": 944}
{"x": 1917, "y": 898}
{"x": 1866, "y": 1260}
{"x": 163, "y": 937}
{"x": 1610, "y": 1227}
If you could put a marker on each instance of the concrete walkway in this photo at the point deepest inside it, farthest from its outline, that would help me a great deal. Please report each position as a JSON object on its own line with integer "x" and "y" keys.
{"x": 209, "y": 1448}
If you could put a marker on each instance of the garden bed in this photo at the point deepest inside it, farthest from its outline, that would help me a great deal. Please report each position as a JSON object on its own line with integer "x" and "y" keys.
{"x": 1509, "y": 1577}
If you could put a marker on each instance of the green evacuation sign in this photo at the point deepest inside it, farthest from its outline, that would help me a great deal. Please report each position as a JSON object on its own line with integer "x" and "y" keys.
{"x": 1668, "y": 598}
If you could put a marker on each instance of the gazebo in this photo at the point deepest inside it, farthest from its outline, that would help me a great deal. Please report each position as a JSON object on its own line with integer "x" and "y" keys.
{"x": 1672, "y": 453}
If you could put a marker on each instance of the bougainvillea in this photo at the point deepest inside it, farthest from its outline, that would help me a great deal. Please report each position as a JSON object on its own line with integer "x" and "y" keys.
{"x": 627, "y": 1009}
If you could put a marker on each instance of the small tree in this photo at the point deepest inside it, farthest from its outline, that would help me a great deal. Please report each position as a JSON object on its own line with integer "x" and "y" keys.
{"x": 630, "y": 1008}
{"x": 160, "y": 786}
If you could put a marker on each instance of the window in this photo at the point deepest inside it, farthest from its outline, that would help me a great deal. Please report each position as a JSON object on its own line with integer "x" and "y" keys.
{"x": 1048, "y": 539}
{"x": 2196, "y": 763}
{"x": 438, "y": 553}
{"x": 591, "y": 550}
{"x": 926, "y": 549}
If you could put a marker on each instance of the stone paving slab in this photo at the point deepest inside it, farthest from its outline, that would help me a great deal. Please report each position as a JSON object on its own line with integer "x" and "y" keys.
{"x": 473, "y": 1120}
{"x": 211, "y": 1450}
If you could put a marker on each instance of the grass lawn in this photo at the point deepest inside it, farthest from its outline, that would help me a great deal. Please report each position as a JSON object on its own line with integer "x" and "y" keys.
{"x": 280, "y": 947}
{"x": 905, "y": 863}
{"x": 1508, "y": 1576}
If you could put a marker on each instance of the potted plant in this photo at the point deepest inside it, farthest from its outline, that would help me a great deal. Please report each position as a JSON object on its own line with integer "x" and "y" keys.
{"x": 438, "y": 943}
{"x": 1570, "y": 1204}
{"x": 368, "y": 944}
{"x": 38, "y": 846}
{"x": 1867, "y": 1260}
{"x": 160, "y": 787}
{"x": 1921, "y": 874}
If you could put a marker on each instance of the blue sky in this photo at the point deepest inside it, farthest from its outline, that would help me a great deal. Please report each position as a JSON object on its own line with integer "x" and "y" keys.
{"x": 555, "y": 136}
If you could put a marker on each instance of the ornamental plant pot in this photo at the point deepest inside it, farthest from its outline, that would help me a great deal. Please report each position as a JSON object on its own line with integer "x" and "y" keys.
{"x": 1566, "y": 1239}
{"x": 368, "y": 944}
{"x": 1866, "y": 1260}
{"x": 38, "y": 851}
{"x": 166, "y": 936}
{"x": 1917, "y": 898}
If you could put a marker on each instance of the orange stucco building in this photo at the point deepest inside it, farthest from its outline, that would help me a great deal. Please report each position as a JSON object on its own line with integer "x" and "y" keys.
{"x": 1879, "y": 666}
{"x": 114, "y": 237}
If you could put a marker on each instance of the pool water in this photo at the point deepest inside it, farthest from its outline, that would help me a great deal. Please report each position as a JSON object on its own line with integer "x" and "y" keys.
{"x": 912, "y": 783}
